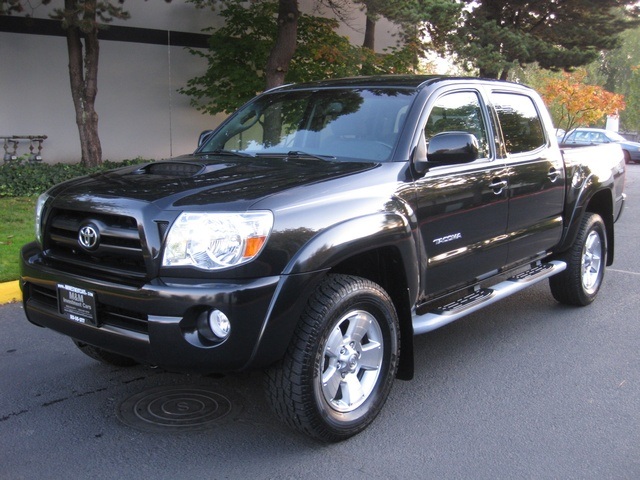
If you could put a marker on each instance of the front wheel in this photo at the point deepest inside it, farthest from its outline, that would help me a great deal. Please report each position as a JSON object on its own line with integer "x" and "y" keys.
{"x": 580, "y": 282}
{"x": 339, "y": 368}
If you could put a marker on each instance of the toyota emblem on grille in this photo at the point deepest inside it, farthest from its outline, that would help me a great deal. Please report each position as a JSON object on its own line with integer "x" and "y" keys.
{"x": 89, "y": 237}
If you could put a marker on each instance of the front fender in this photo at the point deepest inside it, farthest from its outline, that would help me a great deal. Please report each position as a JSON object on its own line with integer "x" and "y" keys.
{"x": 316, "y": 258}
{"x": 354, "y": 236}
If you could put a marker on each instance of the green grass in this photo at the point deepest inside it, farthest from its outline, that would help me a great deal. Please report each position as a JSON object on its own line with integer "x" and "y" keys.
{"x": 16, "y": 229}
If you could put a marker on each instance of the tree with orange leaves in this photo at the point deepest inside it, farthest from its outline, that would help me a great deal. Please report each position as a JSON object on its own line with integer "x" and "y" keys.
{"x": 574, "y": 103}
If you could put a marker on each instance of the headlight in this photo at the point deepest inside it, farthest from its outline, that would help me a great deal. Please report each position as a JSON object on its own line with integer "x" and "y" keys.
{"x": 40, "y": 204}
{"x": 213, "y": 241}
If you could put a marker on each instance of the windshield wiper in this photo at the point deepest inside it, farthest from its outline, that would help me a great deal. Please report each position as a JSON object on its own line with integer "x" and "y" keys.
{"x": 298, "y": 154}
{"x": 231, "y": 153}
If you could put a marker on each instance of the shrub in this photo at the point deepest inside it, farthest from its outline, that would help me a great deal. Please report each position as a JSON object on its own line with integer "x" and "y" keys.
{"x": 21, "y": 178}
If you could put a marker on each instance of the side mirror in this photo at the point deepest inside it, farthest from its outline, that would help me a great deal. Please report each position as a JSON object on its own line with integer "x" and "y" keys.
{"x": 204, "y": 136}
{"x": 452, "y": 147}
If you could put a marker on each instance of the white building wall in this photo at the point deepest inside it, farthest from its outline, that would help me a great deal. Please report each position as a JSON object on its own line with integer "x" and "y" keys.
{"x": 140, "y": 112}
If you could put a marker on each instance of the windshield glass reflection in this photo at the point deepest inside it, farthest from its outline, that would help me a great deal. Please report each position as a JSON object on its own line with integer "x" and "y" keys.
{"x": 340, "y": 124}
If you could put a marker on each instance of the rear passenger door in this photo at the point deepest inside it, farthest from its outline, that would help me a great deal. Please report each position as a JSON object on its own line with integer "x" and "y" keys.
{"x": 535, "y": 173}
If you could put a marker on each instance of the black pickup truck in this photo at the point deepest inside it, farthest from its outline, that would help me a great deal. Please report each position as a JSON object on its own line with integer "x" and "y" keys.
{"x": 320, "y": 228}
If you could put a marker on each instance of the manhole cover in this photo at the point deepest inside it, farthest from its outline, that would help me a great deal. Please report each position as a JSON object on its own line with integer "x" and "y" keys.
{"x": 177, "y": 408}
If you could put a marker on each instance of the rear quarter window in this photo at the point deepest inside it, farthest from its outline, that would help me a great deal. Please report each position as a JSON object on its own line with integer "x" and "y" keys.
{"x": 521, "y": 124}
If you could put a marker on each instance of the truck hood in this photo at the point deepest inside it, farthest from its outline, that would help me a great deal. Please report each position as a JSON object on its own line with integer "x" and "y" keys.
{"x": 191, "y": 181}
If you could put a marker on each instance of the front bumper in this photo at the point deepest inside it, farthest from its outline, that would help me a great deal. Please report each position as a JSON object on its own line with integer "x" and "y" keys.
{"x": 157, "y": 323}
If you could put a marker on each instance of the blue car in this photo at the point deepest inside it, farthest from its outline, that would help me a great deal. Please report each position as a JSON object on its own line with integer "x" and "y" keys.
{"x": 593, "y": 136}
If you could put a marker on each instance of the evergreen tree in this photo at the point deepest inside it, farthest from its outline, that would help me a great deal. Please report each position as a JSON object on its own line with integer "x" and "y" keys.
{"x": 497, "y": 35}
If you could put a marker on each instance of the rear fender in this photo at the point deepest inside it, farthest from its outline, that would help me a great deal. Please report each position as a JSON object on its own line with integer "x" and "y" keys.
{"x": 593, "y": 196}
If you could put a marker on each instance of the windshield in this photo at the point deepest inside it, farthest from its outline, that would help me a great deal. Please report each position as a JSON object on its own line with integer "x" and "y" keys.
{"x": 343, "y": 124}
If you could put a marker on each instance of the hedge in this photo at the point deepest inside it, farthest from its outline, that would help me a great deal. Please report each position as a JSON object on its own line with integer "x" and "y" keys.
{"x": 20, "y": 178}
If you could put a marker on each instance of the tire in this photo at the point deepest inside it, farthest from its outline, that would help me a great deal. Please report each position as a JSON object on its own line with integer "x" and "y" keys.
{"x": 341, "y": 363}
{"x": 627, "y": 157}
{"x": 580, "y": 282}
{"x": 105, "y": 356}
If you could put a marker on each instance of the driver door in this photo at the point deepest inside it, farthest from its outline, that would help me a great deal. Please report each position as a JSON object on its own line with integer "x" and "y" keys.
{"x": 462, "y": 208}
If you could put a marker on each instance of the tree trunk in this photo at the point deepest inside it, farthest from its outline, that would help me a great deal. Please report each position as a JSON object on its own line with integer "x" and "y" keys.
{"x": 486, "y": 73}
{"x": 370, "y": 34}
{"x": 285, "y": 46}
{"x": 83, "y": 75}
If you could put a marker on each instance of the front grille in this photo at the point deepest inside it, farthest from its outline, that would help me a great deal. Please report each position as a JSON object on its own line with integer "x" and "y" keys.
{"x": 43, "y": 295}
{"x": 119, "y": 317}
{"x": 107, "y": 314}
{"x": 118, "y": 254}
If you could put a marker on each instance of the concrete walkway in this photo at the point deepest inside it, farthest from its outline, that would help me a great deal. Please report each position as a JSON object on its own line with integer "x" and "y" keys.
{"x": 9, "y": 292}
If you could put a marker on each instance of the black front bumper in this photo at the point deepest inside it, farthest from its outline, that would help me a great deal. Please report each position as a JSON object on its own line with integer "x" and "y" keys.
{"x": 157, "y": 323}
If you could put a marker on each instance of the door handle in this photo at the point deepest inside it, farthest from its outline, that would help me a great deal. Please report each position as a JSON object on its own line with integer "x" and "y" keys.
{"x": 553, "y": 174}
{"x": 498, "y": 185}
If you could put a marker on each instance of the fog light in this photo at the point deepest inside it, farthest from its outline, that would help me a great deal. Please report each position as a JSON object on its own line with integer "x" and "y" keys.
{"x": 219, "y": 324}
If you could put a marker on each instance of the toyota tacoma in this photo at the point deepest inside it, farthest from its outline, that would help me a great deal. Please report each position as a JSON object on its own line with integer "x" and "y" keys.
{"x": 320, "y": 228}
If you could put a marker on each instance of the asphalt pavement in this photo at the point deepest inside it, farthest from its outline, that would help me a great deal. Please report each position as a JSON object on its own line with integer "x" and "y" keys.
{"x": 526, "y": 388}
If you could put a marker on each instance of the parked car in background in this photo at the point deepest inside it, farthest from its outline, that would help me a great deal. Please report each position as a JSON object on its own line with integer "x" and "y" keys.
{"x": 592, "y": 136}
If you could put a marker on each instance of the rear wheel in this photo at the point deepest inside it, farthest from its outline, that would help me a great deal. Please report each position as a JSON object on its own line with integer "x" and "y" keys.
{"x": 339, "y": 368}
{"x": 580, "y": 282}
{"x": 105, "y": 356}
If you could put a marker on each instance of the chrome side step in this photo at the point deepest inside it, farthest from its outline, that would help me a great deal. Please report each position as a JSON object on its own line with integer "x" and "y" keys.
{"x": 484, "y": 297}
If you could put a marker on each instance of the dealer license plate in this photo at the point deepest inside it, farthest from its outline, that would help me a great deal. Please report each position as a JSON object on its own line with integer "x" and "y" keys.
{"x": 77, "y": 304}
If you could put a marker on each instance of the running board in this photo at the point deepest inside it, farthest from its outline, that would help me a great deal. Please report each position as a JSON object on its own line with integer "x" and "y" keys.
{"x": 484, "y": 297}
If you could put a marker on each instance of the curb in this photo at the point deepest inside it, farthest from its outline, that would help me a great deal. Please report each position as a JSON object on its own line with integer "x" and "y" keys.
{"x": 10, "y": 292}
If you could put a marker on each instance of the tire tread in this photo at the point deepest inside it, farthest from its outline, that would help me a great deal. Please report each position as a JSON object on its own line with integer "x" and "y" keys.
{"x": 566, "y": 287}
{"x": 288, "y": 385}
